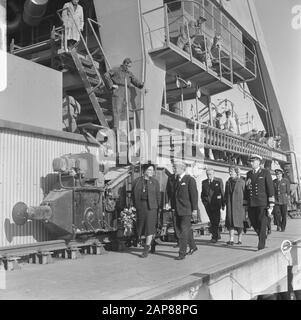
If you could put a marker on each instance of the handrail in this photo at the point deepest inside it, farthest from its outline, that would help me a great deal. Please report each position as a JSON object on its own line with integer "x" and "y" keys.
{"x": 228, "y": 135}
{"x": 216, "y": 139}
{"x": 90, "y": 21}
{"x": 297, "y": 171}
{"x": 252, "y": 98}
{"x": 84, "y": 42}
{"x": 144, "y": 62}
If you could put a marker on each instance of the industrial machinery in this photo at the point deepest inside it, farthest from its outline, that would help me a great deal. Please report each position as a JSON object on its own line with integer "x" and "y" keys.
{"x": 75, "y": 206}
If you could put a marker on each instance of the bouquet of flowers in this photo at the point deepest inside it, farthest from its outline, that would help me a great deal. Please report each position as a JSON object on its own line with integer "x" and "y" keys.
{"x": 127, "y": 218}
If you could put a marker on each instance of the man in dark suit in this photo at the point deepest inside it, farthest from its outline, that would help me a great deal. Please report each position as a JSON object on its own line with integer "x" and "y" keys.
{"x": 212, "y": 196}
{"x": 282, "y": 191}
{"x": 170, "y": 199}
{"x": 259, "y": 197}
{"x": 184, "y": 201}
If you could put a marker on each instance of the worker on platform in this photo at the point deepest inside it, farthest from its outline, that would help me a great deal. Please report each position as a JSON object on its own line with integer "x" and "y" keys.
{"x": 146, "y": 200}
{"x": 117, "y": 79}
{"x": 282, "y": 193}
{"x": 73, "y": 18}
{"x": 230, "y": 124}
{"x": 71, "y": 111}
{"x": 259, "y": 198}
{"x": 212, "y": 196}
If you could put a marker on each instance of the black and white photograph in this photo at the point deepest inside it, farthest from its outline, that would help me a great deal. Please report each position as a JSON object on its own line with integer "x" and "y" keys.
{"x": 150, "y": 151}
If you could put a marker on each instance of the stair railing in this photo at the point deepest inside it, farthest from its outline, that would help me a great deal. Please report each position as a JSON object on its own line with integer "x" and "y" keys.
{"x": 91, "y": 22}
{"x": 59, "y": 13}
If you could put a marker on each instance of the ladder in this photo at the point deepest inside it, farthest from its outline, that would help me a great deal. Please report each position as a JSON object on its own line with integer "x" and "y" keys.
{"x": 88, "y": 70}
{"x": 93, "y": 83}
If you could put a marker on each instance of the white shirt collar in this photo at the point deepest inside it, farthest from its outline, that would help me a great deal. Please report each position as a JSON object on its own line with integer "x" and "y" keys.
{"x": 256, "y": 170}
{"x": 182, "y": 175}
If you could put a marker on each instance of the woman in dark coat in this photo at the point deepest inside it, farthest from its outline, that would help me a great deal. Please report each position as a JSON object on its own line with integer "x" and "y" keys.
{"x": 235, "y": 211}
{"x": 146, "y": 199}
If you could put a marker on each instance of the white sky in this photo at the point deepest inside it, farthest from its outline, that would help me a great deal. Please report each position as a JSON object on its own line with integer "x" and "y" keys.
{"x": 284, "y": 46}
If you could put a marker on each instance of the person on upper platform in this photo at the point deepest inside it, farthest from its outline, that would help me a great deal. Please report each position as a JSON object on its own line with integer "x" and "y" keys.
{"x": 116, "y": 79}
{"x": 259, "y": 198}
{"x": 73, "y": 18}
{"x": 120, "y": 81}
{"x": 230, "y": 124}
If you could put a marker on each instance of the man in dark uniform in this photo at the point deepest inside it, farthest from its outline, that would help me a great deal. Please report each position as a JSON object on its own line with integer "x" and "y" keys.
{"x": 259, "y": 197}
{"x": 117, "y": 79}
{"x": 282, "y": 191}
{"x": 212, "y": 196}
{"x": 185, "y": 203}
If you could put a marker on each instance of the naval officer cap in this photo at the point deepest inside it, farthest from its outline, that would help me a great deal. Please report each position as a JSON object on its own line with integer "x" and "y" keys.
{"x": 255, "y": 156}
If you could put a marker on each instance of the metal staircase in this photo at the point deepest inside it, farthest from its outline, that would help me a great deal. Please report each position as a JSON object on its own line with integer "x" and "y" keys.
{"x": 91, "y": 93}
{"x": 94, "y": 87}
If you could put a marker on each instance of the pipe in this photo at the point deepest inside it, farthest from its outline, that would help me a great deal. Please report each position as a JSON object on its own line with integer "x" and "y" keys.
{"x": 13, "y": 24}
{"x": 34, "y": 10}
{"x": 297, "y": 172}
{"x": 21, "y": 213}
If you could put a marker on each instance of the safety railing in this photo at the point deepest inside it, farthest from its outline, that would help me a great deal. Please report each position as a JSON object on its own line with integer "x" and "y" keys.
{"x": 177, "y": 17}
{"x": 222, "y": 140}
{"x": 92, "y": 22}
{"x": 217, "y": 139}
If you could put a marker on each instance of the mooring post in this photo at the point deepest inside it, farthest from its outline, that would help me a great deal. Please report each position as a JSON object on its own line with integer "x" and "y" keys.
{"x": 290, "y": 289}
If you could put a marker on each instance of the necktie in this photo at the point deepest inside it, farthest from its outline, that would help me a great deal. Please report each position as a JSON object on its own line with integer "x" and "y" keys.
{"x": 177, "y": 181}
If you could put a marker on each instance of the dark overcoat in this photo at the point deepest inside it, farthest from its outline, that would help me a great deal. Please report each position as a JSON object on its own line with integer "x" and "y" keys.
{"x": 153, "y": 193}
{"x": 282, "y": 191}
{"x": 235, "y": 212}
{"x": 184, "y": 198}
{"x": 212, "y": 194}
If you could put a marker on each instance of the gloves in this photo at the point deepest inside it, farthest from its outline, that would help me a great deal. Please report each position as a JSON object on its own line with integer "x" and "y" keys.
{"x": 270, "y": 210}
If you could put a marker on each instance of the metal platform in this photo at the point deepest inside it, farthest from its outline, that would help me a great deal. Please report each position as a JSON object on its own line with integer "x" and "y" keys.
{"x": 179, "y": 62}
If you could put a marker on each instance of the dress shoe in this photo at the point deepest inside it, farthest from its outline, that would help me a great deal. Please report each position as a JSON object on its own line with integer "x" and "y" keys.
{"x": 176, "y": 246}
{"x": 213, "y": 241}
{"x": 191, "y": 251}
{"x": 145, "y": 252}
{"x": 231, "y": 243}
{"x": 153, "y": 247}
{"x": 180, "y": 257}
{"x": 278, "y": 229}
{"x": 239, "y": 242}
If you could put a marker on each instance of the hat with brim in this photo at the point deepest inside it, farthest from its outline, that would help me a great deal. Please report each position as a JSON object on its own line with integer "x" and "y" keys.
{"x": 255, "y": 157}
{"x": 278, "y": 170}
{"x": 147, "y": 165}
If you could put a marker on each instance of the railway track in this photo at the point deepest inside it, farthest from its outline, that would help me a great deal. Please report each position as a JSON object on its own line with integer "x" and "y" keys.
{"x": 43, "y": 252}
